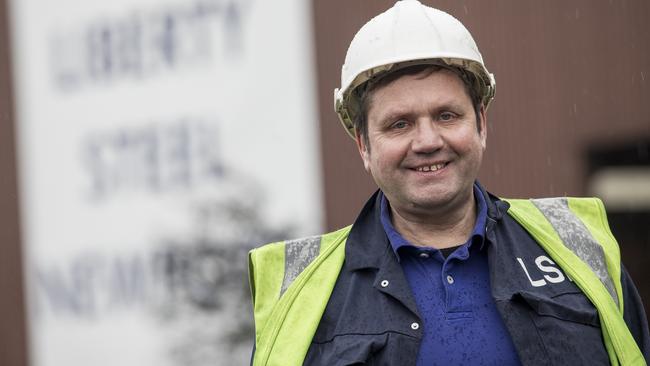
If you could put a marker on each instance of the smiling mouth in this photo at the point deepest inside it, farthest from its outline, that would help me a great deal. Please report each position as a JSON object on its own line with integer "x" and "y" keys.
{"x": 430, "y": 168}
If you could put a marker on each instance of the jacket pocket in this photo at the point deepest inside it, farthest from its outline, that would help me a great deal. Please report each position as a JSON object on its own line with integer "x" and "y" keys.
{"x": 572, "y": 307}
{"x": 568, "y": 326}
{"x": 384, "y": 349}
{"x": 345, "y": 350}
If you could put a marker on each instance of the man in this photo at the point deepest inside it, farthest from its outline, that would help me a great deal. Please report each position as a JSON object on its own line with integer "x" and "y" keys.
{"x": 436, "y": 271}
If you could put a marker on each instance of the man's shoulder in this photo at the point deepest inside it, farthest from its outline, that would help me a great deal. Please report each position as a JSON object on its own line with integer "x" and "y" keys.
{"x": 306, "y": 242}
{"x": 551, "y": 200}
{"x": 581, "y": 206}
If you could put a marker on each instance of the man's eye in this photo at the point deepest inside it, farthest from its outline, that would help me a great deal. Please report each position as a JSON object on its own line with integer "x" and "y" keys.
{"x": 446, "y": 116}
{"x": 400, "y": 124}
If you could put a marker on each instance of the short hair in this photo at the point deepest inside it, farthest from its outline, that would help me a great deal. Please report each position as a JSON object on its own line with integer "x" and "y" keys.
{"x": 367, "y": 90}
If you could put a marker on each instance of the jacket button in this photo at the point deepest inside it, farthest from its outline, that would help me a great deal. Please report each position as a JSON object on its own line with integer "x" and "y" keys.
{"x": 415, "y": 326}
{"x": 450, "y": 279}
{"x": 384, "y": 283}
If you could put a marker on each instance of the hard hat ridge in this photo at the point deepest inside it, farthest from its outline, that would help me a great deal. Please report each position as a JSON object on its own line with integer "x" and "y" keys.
{"x": 407, "y": 34}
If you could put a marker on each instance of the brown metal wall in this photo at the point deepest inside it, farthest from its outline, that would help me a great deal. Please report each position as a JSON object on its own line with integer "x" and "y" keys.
{"x": 12, "y": 311}
{"x": 570, "y": 74}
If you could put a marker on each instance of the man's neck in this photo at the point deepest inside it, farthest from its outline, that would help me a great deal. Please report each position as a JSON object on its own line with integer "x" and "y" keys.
{"x": 443, "y": 229}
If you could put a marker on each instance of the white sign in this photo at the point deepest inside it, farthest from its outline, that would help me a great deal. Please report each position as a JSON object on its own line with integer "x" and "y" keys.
{"x": 158, "y": 142}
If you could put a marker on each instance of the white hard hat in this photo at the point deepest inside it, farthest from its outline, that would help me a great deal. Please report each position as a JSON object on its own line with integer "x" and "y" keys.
{"x": 407, "y": 34}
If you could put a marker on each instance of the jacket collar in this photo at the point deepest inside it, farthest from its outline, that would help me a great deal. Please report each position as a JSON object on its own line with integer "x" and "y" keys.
{"x": 368, "y": 247}
{"x": 496, "y": 207}
{"x": 496, "y": 210}
{"x": 367, "y": 243}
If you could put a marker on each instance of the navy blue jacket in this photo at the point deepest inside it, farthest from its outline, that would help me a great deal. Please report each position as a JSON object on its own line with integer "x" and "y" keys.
{"x": 554, "y": 324}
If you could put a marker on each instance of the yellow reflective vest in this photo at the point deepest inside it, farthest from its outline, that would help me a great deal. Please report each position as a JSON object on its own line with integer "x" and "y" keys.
{"x": 291, "y": 281}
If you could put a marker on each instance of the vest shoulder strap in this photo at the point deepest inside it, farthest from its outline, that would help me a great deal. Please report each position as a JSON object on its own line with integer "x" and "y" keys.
{"x": 291, "y": 283}
{"x": 575, "y": 234}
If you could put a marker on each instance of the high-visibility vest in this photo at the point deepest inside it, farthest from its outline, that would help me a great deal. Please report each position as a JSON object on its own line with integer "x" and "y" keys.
{"x": 291, "y": 281}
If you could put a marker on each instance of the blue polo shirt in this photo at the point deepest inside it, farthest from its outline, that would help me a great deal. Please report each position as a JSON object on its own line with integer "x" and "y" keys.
{"x": 461, "y": 323}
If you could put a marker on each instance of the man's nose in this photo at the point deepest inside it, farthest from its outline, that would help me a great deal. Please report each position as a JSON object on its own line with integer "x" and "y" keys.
{"x": 427, "y": 137}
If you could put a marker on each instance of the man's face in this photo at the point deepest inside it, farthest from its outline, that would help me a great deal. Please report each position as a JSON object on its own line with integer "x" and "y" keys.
{"x": 425, "y": 148}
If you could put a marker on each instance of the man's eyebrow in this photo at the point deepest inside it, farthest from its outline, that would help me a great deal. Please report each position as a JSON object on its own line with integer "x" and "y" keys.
{"x": 397, "y": 111}
{"x": 393, "y": 114}
{"x": 453, "y": 104}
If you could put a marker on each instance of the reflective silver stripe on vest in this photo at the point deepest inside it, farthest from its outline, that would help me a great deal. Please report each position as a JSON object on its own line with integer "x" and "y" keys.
{"x": 297, "y": 256}
{"x": 576, "y": 236}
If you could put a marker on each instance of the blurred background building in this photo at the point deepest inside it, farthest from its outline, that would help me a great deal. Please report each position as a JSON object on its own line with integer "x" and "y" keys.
{"x": 145, "y": 146}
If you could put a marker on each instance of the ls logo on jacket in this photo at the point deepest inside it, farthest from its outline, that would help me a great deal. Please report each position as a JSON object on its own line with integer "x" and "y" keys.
{"x": 552, "y": 274}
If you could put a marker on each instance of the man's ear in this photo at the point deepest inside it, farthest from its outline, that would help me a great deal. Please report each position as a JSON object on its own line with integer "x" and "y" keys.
{"x": 483, "y": 124}
{"x": 363, "y": 150}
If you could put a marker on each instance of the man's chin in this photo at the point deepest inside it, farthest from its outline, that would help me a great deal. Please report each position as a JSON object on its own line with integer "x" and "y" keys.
{"x": 435, "y": 201}
{"x": 430, "y": 203}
